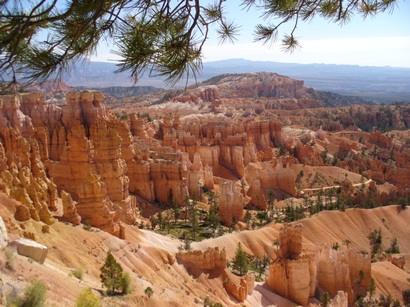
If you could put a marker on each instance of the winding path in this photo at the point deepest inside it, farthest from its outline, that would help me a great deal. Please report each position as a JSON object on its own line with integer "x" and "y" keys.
{"x": 334, "y": 187}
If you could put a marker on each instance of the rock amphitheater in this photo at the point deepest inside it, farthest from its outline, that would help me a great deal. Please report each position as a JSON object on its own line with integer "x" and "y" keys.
{"x": 288, "y": 178}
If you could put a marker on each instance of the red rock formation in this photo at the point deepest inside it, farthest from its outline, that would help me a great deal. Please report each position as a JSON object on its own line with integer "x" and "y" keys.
{"x": 379, "y": 139}
{"x": 346, "y": 270}
{"x": 231, "y": 202}
{"x": 264, "y": 176}
{"x": 221, "y": 143}
{"x": 296, "y": 275}
{"x": 292, "y": 274}
{"x": 340, "y": 300}
{"x": 307, "y": 155}
{"x": 238, "y": 286}
{"x": 290, "y": 240}
{"x": 293, "y": 279}
{"x": 90, "y": 165}
{"x": 69, "y": 209}
{"x": 137, "y": 126}
{"x": 212, "y": 261}
{"x": 22, "y": 173}
{"x": 398, "y": 260}
{"x": 81, "y": 146}
{"x": 254, "y": 85}
{"x": 199, "y": 177}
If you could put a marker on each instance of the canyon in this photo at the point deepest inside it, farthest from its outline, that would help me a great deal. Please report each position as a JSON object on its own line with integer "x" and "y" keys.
{"x": 84, "y": 177}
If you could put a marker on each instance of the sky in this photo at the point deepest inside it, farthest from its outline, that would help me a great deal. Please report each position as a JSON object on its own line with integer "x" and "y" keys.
{"x": 381, "y": 40}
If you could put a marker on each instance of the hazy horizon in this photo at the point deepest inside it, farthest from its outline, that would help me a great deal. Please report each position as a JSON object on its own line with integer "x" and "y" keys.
{"x": 205, "y": 61}
{"x": 381, "y": 40}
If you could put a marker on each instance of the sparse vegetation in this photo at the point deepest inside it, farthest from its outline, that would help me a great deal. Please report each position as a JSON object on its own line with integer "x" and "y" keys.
{"x": 77, "y": 273}
{"x": 87, "y": 299}
{"x": 372, "y": 288}
{"x": 121, "y": 115}
{"x": 87, "y": 226}
{"x": 113, "y": 277}
{"x": 148, "y": 292}
{"x": 9, "y": 254}
{"x": 209, "y": 303}
{"x": 382, "y": 301}
{"x": 406, "y": 297}
{"x": 126, "y": 286}
{"x": 387, "y": 301}
{"x": 34, "y": 296}
{"x": 324, "y": 299}
{"x": 187, "y": 243}
{"x": 394, "y": 247}
{"x": 259, "y": 265}
{"x": 294, "y": 213}
{"x": 375, "y": 239}
{"x": 189, "y": 222}
{"x": 336, "y": 246}
{"x": 240, "y": 263}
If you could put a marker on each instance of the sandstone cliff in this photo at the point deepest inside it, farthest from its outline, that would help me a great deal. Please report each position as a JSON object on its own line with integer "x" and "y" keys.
{"x": 298, "y": 275}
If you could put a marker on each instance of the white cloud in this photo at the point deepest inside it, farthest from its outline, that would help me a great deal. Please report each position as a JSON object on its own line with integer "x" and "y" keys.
{"x": 372, "y": 51}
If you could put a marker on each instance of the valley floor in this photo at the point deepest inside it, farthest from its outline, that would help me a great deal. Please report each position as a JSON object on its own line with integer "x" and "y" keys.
{"x": 150, "y": 258}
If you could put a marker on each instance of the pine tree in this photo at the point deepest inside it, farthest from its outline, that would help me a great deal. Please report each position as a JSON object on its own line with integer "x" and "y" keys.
{"x": 213, "y": 217}
{"x": 261, "y": 265}
{"x": 394, "y": 247}
{"x": 187, "y": 242}
{"x": 372, "y": 288}
{"x": 375, "y": 239}
{"x": 194, "y": 223}
{"x": 247, "y": 217}
{"x": 160, "y": 221}
{"x": 176, "y": 210}
{"x": 271, "y": 198}
{"x": 241, "y": 262}
{"x": 187, "y": 204}
{"x": 111, "y": 275}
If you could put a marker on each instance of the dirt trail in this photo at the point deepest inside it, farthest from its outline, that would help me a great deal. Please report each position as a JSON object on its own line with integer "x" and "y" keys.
{"x": 366, "y": 183}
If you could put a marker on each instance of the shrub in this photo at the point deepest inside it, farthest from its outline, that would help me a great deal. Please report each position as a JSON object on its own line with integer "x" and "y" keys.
{"x": 34, "y": 296}
{"x": 77, "y": 273}
{"x": 126, "y": 286}
{"x": 335, "y": 246}
{"x": 324, "y": 299}
{"x": 347, "y": 242}
{"x": 394, "y": 247}
{"x": 388, "y": 301}
{"x": 187, "y": 243}
{"x": 209, "y": 303}
{"x": 87, "y": 226}
{"x": 87, "y": 299}
{"x": 148, "y": 291}
{"x": 8, "y": 252}
{"x": 122, "y": 115}
{"x": 375, "y": 239}
{"x": 406, "y": 297}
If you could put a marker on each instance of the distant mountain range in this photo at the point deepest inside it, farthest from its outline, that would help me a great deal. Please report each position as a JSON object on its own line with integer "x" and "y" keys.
{"x": 378, "y": 84}
{"x": 122, "y": 91}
